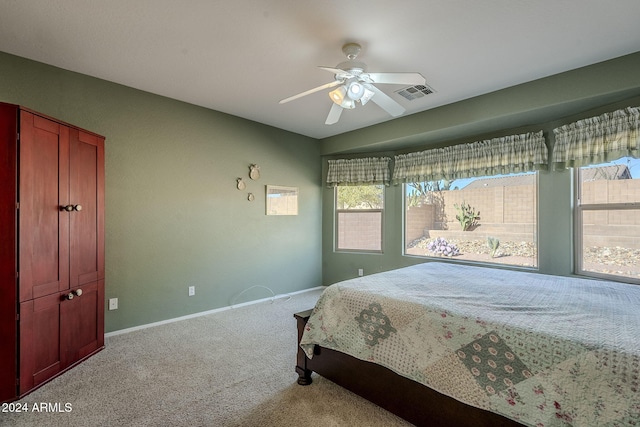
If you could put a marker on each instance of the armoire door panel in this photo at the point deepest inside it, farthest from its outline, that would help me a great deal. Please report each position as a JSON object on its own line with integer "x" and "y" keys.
{"x": 85, "y": 238}
{"x": 81, "y": 330}
{"x": 39, "y": 340}
{"x": 44, "y": 188}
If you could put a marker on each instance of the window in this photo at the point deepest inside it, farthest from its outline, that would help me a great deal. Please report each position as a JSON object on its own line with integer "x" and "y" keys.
{"x": 491, "y": 219}
{"x": 359, "y": 217}
{"x": 608, "y": 220}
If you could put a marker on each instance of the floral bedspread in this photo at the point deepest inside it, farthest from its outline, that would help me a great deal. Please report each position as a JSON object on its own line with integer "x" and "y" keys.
{"x": 539, "y": 349}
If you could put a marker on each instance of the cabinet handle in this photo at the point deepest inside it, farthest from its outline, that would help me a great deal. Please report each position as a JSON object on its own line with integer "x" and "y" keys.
{"x": 78, "y": 292}
{"x": 69, "y": 295}
{"x": 71, "y": 208}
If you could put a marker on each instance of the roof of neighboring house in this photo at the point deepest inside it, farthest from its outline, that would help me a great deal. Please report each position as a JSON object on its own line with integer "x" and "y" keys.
{"x": 501, "y": 181}
{"x": 588, "y": 174}
{"x": 606, "y": 172}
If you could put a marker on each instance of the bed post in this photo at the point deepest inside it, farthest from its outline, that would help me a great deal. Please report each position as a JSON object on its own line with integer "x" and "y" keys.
{"x": 304, "y": 374}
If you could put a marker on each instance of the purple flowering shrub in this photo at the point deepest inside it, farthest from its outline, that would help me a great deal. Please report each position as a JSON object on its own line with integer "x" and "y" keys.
{"x": 440, "y": 246}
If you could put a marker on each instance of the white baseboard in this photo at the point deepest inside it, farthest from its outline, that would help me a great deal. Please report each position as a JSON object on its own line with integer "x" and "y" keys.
{"x": 204, "y": 313}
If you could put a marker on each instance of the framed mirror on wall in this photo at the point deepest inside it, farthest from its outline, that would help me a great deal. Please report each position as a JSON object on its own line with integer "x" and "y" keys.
{"x": 281, "y": 200}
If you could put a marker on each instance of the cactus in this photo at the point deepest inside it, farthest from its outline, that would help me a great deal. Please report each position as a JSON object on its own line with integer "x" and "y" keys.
{"x": 467, "y": 216}
{"x": 493, "y": 243}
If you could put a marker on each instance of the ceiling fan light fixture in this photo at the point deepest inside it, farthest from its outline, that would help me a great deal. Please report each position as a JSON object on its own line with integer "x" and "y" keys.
{"x": 349, "y": 104}
{"x": 355, "y": 91}
{"x": 338, "y": 94}
{"x": 366, "y": 96}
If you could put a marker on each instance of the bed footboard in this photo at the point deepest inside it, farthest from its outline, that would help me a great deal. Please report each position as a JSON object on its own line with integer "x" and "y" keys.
{"x": 412, "y": 401}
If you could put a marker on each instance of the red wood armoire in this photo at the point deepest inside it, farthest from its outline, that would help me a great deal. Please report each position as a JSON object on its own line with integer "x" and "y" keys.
{"x": 51, "y": 248}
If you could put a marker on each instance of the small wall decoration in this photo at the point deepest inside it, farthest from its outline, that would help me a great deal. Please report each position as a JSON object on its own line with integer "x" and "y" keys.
{"x": 254, "y": 172}
{"x": 281, "y": 200}
{"x": 241, "y": 185}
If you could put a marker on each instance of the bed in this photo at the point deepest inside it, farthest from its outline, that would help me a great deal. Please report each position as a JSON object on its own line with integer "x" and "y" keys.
{"x": 446, "y": 344}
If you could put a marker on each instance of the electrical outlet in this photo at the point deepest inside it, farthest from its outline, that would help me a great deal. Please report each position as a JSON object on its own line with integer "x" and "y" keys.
{"x": 192, "y": 291}
{"x": 113, "y": 303}
{"x": 360, "y": 272}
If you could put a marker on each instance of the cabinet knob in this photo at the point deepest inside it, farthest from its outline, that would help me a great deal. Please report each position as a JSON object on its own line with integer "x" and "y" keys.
{"x": 71, "y": 208}
{"x": 69, "y": 295}
{"x": 77, "y": 292}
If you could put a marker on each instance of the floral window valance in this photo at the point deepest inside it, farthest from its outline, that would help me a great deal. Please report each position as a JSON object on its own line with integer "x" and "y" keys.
{"x": 598, "y": 139}
{"x": 508, "y": 154}
{"x": 363, "y": 171}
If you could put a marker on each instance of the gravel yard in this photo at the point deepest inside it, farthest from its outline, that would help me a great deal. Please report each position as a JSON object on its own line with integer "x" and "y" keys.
{"x": 467, "y": 247}
{"x": 616, "y": 260}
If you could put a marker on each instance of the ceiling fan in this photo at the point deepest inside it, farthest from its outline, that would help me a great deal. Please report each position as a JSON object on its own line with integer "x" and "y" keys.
{"x": 354, "y": 84}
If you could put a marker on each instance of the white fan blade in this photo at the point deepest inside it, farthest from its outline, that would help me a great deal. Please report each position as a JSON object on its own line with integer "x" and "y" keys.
{"x": 334, "y": 70}
{"x": 310, "y": 91}
{"x": 398, "y": 78}
{"x": 334, "y": 114}
{"x": 385, "y": 102}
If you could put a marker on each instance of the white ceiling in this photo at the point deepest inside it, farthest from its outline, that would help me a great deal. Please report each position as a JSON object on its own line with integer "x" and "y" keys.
{"x": 241, "y": 57}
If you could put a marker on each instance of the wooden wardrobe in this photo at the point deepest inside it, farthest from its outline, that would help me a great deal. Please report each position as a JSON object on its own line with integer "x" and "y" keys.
{"x": 51, "y": 248}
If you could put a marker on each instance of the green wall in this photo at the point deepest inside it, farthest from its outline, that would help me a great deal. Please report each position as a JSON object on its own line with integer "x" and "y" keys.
{"x": 174, "y": 217}
{"x": 539, "y": 105}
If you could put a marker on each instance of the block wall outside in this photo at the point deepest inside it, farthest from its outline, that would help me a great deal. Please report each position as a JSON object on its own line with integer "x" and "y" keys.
{"x": 496, "y": 205}
{"x": 418, "y": 220}
{"x": 609, "y": 228}
{"x": 613, "y": 191}
{"x": 358, "y": 230}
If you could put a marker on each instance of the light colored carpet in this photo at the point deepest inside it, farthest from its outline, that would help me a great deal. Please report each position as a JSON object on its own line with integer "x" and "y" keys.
{"x": 231, "y": 368}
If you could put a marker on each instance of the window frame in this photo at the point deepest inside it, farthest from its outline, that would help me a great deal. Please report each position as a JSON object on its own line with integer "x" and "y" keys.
{"x": 336, "y": 227}
{"x": 578, "y": 215}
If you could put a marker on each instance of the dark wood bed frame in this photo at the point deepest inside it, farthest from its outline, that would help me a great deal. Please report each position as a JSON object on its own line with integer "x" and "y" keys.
{"x": 406, "y": 398}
